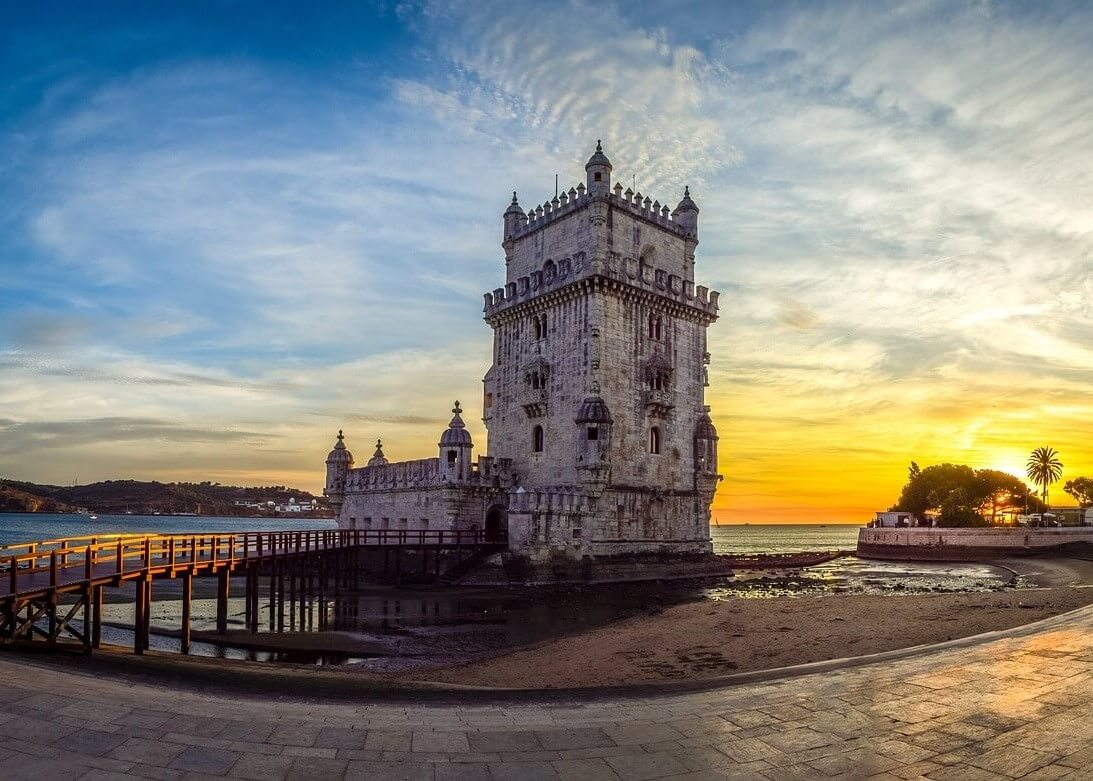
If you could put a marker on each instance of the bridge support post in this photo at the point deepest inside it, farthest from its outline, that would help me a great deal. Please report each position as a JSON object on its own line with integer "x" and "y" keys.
{"x": 147, "y": 612}
{"x": 187, "y": 607}
{"x": 96, "y": 617}
{"x": 322, "y": 591}
{"x": 252, "y": 598}
{"x": 272, "y": 593}
{"x": 139, "y": 613}
{"x": 293, "y": 565}
{"x": 281, "y": 595}
{"x": 223, "y": 585}
{"x": 309, "y": 585}
{"x": 85, "y": 597}
{"x": 51, "y": 611}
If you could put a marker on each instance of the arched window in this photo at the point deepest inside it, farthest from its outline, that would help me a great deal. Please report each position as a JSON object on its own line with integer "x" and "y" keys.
{"x": 654, "y": 440}
{"x": 540, "y": 327}
{"x": 451, "y": 456}
{"x": 656, "y": 327}
{"x": 537, "y": 439}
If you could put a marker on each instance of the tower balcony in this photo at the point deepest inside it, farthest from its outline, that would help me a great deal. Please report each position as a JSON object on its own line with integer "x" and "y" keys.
{"x": 658, "y": 401}
{"x": 534, "y": 402}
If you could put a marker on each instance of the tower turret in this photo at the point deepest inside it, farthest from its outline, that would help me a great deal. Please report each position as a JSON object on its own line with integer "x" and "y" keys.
{"x": 598, "y": 171}
{"x": 705, "y": 444}
{"x": 455, "y": 448}
{"x": 338, "y": 463}
{"x": 686, "y": 214}
{"x": 593, "y": 433}
{"x": 378, "y": 458}
{"x": 514, "y": 217}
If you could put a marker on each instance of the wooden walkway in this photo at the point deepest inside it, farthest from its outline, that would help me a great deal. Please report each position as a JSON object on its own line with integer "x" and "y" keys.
{"x": 310, "y": 566}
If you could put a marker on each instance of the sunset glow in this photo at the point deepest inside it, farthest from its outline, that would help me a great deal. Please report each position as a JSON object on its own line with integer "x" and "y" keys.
{"x": 223, "y": 242}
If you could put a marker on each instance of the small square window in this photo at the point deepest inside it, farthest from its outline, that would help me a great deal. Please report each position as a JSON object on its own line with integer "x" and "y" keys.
{"x": 576, "y": 533}
{"x": 593, "y": 432}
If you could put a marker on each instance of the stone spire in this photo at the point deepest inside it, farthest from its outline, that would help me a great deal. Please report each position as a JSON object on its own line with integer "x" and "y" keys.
{"x": 455, "y": 448}
{"x": 456, "y": 433}
{"x": 378, "y": 458}
{"x": 686, "y": 213}
{"x": 598, "y": 171}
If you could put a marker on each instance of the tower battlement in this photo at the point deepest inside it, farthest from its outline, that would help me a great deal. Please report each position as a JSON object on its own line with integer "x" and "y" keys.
{"x": 576, "y": 198}
{"x": 558, "y": 276}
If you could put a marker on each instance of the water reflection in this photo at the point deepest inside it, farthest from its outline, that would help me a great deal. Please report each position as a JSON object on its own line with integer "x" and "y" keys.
{"x": 386, "y": 628}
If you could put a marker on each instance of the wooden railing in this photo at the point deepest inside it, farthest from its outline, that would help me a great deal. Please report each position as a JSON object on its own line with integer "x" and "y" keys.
{"x": 82, "y": 558}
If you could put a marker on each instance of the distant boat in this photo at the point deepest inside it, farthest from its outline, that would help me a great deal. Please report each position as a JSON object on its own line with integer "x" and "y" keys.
{"x": 93, "y": 518}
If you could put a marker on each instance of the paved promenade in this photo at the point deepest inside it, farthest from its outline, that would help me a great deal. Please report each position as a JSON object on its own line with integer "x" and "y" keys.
{"x": 1017, "y": 707}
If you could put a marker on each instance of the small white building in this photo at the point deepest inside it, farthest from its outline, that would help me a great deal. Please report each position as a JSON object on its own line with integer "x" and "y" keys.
{"x": 895, "y": 519}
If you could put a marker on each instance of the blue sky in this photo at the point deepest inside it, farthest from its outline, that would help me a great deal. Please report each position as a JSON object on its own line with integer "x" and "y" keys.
{"x": 229, "y": 229}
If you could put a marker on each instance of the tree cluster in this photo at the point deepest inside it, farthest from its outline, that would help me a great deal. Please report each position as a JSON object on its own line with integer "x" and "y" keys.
{"x": 1081, "y": 488}
{"x": 963, "y": 496}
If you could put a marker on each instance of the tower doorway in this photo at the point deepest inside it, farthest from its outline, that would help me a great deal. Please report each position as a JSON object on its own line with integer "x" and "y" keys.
{"x": 497, "y": 525}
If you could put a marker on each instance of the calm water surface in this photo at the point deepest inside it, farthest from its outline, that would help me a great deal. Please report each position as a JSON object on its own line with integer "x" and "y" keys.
{"x": 405, "y": 627}
{"x": 27, "y": 527}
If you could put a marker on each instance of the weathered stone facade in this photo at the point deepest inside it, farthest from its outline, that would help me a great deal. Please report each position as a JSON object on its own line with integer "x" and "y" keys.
{"x": 599, "y": 438}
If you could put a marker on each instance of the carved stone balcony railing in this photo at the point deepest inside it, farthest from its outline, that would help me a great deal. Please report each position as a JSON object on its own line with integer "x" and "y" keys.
{"x": 534, "y": 402}
{"x": 658, "y": 402}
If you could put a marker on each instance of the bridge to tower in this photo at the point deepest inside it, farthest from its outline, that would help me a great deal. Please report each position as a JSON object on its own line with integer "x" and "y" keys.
{"x": 54, "y": 589}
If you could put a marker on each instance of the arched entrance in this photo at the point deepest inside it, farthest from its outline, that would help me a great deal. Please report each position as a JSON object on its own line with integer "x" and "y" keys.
{"x": 497, "y": 525}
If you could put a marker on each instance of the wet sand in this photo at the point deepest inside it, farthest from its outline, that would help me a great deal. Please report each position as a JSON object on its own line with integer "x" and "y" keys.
{"x": 699, "y": 638}
{"x": 709, "y": 639}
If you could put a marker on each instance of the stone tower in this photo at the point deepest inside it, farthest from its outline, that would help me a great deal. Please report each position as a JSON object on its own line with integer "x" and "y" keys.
{"x": 596, "y": 391}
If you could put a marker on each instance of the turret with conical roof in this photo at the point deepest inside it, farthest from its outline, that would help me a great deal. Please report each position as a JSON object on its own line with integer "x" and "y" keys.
{"x": 514, "y": 217}
{"x": 598, "y": 172}
{"x": 455, "y": 448}
{"x": 378, "y": 458}
{"x": 705, "y": 444}
{"x": 338, "y": 463}
{"x": 686, "y": 213}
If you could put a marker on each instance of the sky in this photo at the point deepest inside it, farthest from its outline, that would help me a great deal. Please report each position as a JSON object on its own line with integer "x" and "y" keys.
{"x": 229, "y": 229}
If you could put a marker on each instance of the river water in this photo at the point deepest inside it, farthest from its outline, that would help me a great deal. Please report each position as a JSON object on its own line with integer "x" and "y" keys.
{"x": 395, "y": 628}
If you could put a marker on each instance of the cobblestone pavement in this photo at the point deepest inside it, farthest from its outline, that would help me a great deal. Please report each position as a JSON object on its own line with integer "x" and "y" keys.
{"x": 1017, "y": 707}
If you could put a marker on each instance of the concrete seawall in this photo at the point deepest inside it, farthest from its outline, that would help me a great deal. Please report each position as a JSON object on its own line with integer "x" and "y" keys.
{"x": 932, "y": 544}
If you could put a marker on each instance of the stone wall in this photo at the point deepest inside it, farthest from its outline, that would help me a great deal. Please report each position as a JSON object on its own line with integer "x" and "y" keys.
{"x": 967, "y": 544}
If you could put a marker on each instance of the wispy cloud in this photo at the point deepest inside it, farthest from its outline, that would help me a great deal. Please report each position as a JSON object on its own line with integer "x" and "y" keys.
{"x": 894, "y": 201}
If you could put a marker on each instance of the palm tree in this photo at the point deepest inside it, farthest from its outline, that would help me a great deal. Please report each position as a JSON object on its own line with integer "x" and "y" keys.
{"x": 1044, "y": 468}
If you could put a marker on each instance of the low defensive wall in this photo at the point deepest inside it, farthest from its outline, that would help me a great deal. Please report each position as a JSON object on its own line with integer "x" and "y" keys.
{"x": 972, "y": 544}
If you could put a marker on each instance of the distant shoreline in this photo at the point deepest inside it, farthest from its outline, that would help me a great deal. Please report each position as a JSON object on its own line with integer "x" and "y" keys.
{"x": 287, "y": 516}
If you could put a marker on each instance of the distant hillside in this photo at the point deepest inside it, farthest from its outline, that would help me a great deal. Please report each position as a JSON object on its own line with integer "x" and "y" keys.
{"x": 146, "y": 498}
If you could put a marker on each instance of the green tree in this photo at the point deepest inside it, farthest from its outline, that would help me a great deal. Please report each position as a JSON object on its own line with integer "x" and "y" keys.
{"x": 987, "y": 491}
{"x": 999, "y": 491}
{"x": 958, "y": 510}
{"x": 1044, "y": 468}
{"x": 1081, "y": 488}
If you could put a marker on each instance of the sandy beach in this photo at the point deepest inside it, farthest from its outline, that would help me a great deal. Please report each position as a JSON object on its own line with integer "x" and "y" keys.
{"x": 700, "y": 638}
{"x": 709, "y": 639}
